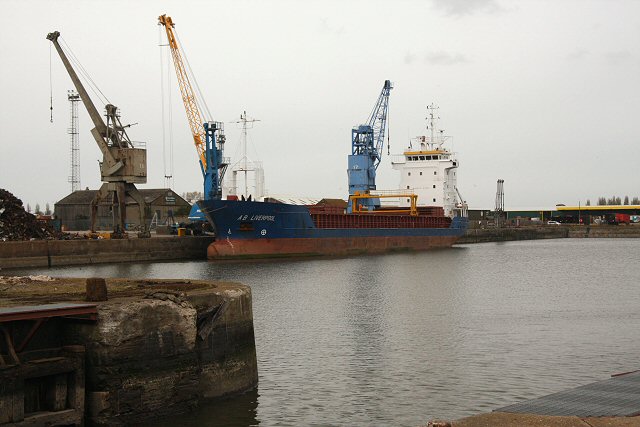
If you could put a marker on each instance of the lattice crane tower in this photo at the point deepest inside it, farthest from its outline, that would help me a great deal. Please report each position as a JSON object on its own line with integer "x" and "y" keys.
{"x": 74, "y": 178}
{"x": 499, "y": 213}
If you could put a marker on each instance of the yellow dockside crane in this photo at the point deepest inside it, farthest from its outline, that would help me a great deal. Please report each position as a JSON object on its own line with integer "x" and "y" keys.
{"x": 208, "y": 136}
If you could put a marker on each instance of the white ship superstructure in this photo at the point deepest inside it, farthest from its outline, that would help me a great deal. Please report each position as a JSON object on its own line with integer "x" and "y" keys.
{"x": 428, "y": 169}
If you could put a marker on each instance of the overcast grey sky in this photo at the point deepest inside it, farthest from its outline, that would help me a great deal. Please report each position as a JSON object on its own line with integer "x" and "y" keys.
{"x": 543, "y": 94}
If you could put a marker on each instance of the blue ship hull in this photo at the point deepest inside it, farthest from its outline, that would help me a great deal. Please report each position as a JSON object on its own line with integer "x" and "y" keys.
{"x": 247, "y": 229}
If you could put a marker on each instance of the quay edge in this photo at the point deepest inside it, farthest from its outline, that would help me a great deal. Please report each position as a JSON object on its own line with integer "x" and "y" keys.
{"x": 51, "y": 253}
{"x": 482, "y": 235}
{"x": 503, "y": 419}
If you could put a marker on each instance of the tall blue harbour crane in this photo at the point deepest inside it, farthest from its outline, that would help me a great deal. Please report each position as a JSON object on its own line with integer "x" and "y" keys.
{"x": 367, "y": 141}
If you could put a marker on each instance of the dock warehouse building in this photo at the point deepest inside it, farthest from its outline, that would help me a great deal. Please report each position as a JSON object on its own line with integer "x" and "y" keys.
{"x": 74, "y": 210}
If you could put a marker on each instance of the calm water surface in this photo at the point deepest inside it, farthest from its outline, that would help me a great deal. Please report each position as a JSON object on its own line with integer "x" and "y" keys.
{"x": 401, "y": 339}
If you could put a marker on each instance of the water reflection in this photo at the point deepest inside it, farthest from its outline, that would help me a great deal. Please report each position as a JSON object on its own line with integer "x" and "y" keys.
{"x": 230, "y": 412}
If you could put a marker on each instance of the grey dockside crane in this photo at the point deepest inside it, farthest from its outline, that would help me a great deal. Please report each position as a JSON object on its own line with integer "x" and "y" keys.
{"x": 122, "y": 164}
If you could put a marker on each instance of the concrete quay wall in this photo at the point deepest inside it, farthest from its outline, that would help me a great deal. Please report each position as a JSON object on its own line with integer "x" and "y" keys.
{"x": 481, "y": 235}
{"x": 605, "y": 231}
{"x": 49, "y": 253}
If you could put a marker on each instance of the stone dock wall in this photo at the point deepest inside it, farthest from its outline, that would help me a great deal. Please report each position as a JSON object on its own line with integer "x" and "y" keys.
{"x": 49, "y": 253}
{"x": 481, "y": 235}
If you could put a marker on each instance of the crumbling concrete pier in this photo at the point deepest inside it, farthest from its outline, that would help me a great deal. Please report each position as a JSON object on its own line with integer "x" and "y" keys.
{"x": 157, "y": 347}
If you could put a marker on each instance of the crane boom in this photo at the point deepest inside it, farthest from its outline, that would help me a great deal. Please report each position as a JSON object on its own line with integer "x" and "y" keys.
{"x": 367, "y": 141}
{"x": 378, "y": 120}
{"x": 86, "y": 100}
{"x": 208, "y": 136}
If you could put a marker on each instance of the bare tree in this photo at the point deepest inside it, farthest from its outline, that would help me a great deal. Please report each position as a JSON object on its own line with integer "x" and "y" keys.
{"x": 614, "y": 200}
{"x": 626, "y": 200}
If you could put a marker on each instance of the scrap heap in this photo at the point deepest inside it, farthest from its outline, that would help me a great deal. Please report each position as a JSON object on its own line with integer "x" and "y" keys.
{"x": 18, "y": 224}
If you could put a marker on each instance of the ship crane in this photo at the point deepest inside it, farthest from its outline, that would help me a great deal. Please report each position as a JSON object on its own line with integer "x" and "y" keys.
{"x": 367, "y": 141}
{"x": 208, "y": 136}
{"x": 122, "y": 166}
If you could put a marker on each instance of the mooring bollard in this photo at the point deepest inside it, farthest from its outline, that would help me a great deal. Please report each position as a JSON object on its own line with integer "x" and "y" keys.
{"x": 96, "y": 289}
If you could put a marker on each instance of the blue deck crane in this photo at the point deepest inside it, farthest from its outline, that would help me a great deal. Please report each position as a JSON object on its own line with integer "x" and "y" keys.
{"x": 367, "y": 141}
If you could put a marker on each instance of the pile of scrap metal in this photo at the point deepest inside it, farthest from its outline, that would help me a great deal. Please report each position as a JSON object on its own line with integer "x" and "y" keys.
{"x": 18, "y": 224}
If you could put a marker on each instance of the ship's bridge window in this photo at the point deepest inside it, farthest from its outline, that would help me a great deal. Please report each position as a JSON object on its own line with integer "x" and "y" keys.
{"x": 407, "y": 187}
{"x": 435, "y": 172}
{"x": 420, "y": 173}
{"x": 421, "y": 157}
{"x": 408, "y": 173}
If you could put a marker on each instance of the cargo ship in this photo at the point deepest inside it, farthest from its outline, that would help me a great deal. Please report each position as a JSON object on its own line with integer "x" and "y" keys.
{"x": 251, "y": 229}
{"x": 428, "y": 211}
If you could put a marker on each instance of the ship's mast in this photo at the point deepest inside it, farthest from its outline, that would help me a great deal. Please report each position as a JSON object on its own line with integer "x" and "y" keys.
{"x": 433, "y": 127}
{"x": 246, "y": 123}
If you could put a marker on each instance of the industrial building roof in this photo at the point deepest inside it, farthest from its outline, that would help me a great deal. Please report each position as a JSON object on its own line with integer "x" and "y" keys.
{"x": 84, "y": 197}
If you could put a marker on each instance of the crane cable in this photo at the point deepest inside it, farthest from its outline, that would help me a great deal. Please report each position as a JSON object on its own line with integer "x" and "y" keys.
{"x": 200, "y": 99}
{"x": 87, "y": 77}
{"x": 168, "y": 171}
{"x": 50, "y": 85}
{"x": 388, "y": 133}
